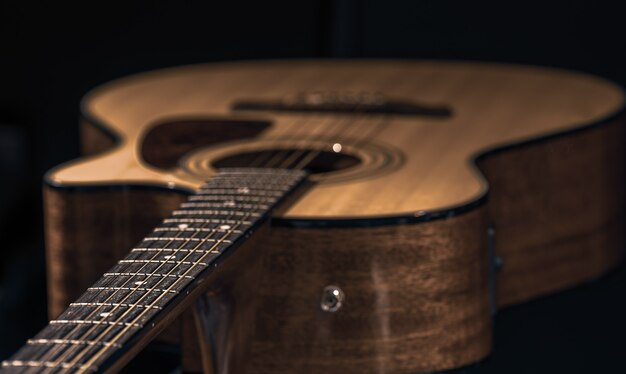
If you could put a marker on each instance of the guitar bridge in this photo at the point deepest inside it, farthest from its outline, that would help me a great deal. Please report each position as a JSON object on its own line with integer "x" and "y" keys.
{"x": 348, "y": 103}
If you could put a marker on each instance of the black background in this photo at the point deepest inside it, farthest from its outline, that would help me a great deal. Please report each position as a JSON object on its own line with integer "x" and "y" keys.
{"x": 52, "y": 53}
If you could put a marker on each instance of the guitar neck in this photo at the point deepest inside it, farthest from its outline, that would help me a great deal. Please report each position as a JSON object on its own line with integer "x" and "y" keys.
{"x": 168, "y": 266}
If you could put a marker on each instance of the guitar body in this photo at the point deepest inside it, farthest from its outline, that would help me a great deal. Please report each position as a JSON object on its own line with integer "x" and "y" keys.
{"x": 502, "y": 184}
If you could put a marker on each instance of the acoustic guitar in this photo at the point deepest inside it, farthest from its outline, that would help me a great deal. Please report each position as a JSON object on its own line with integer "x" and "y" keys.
{"x": 325, "y": 216}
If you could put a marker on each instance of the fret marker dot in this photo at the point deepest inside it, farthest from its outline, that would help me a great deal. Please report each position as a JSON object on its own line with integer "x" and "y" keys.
{"x": 106, "y": 314}
{"x": 183, "y": 226}
{"x": 337, "y": 147}
{"x": 225, "y": 227}
{"x": 243, "y": 190}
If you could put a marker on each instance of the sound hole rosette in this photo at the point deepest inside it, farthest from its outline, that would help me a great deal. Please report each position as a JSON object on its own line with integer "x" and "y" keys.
{"x": 374, "y": 159}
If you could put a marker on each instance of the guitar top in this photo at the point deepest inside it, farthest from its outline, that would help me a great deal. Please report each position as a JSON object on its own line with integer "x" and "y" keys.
{"x": 406, "y": 163}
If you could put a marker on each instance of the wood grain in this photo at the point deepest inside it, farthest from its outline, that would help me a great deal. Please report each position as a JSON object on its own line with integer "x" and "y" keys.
{"x": 558, "y": 209}
{"x": 415, "y": 299}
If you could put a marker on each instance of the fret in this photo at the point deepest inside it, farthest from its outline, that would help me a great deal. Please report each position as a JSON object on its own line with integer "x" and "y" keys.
{"x": 34, "y": 353}
{"x": 187, "y": 244}
{"x": 167, "y": 261}
{"x": 141, "y": 270}
{"x": 130, "y": 289}
{"x": 203, "y": 220}
{"x": 258, "y": 183}
{"x": 117, "y": 304}
{"x": 140, "y": 280}
{"x": 169, "y": 250}
{"x": 89, "y": 322}
{"x": 72, "y": 342}
{"x": 193, "y": 229}
{"x": 174, "y": 245}
{"x": 174, "y": 238}
{"x": 146, "y": 275}
{"x": 73, "y": 335}
{"x": 236, "y": 198}
{"x": 195, "y": 236}
{"x": 236, "y": 191}
{"x": 186, "y": 256}
{"x": 252, "y": 182}
{"x": 48, "y": 364}
{"x": 182, "y": 212}
{"x": 71, "y": 332}
{"x": 109, "y": 295}
{"x": 229, "y": 204}
{"x": 155, "y": 268}
{"x": 157, "y": 271}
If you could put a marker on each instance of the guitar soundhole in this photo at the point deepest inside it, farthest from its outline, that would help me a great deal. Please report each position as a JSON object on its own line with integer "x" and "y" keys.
{"x": 315, "y": 161}
{"x": 327, "y": 160}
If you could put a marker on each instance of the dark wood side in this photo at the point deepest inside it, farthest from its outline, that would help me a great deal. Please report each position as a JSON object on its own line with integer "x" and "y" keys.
{"x": 558, "y": 209}
{"x": 416, "y": 298}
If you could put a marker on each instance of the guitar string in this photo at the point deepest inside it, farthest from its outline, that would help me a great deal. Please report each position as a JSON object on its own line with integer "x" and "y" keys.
{"x": 297, "y": 124}
{"x": 325, "y": 123}
{"x": 167, "y": 289}
{"x": 348, "y": 121}
{"x": 377, "y": 127}
{"x": 128, "y": 282}
{"x": 352, "y": 119}
{"x": 103, "y": 349}
{"x": 312, "y": 136}
{"x": 350, "y": 125}
{"x": 98, "y": 309}
{"x": 306, "y": 157}
{"x": 120, "y": 287}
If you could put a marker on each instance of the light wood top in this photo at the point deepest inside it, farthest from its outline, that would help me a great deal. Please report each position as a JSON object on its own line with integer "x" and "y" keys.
{"x": 493, "y": 105}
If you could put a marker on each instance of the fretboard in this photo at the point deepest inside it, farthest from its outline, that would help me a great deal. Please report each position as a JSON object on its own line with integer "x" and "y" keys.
{"x": 158, "y": 273}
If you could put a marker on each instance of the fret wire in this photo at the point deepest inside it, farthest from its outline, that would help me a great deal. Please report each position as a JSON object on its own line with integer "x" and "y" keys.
{"x": 191, "y": 229}
{"x": 89, "y": 322}
{"x": 166, "y": 262}
{"x": 130, "y": 288}
{"x": 223, "y": 205}
{"x": 71, "y": 341}
{"x": 180, "y": 212}
{"x": 46, "y": 364}
{"x": 200, "y": 220}
{"x": 156, "y": 249}
{"x": 224, "y": 191}
{"x": 115, "y": 304}
{"x": 67, "y": 332}
{"x": 244, "y": 199}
